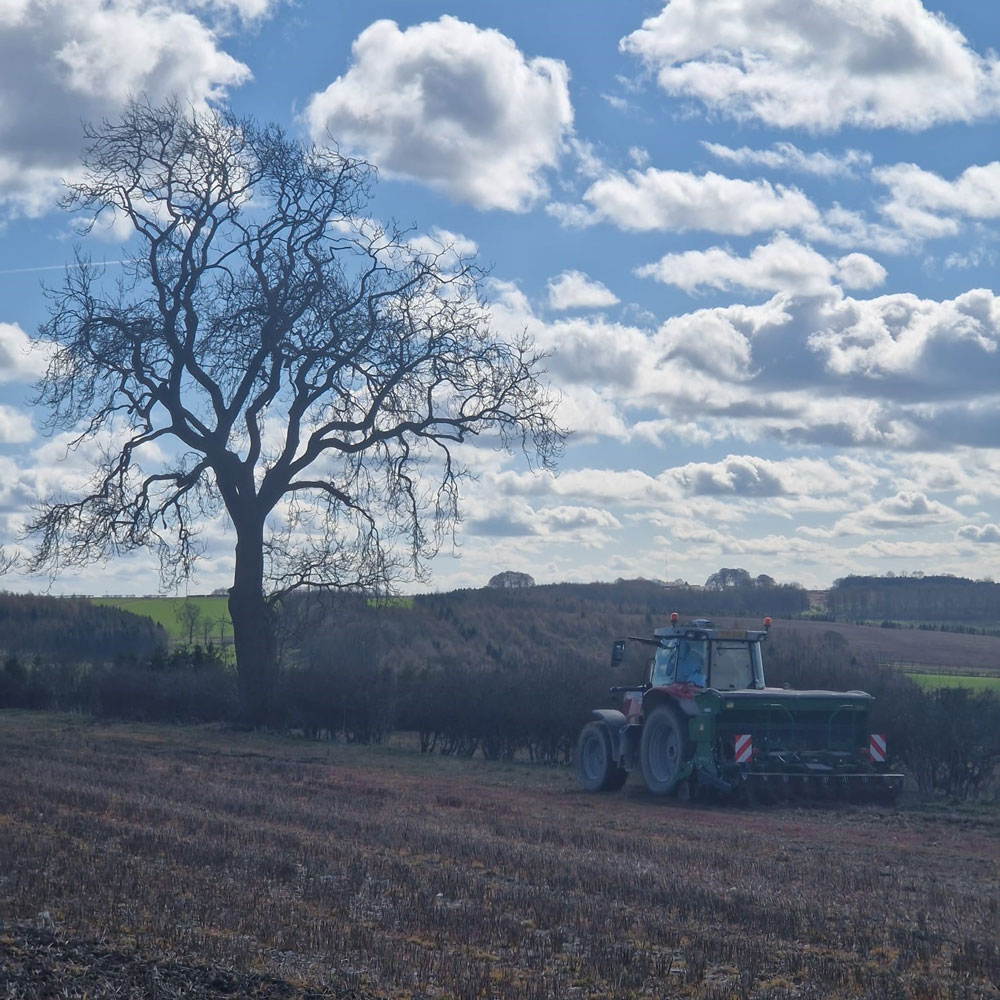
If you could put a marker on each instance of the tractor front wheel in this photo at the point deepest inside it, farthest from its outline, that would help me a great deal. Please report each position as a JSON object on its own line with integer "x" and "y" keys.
{"x": 663, "y": 750}
{"x": 596, "y": 769}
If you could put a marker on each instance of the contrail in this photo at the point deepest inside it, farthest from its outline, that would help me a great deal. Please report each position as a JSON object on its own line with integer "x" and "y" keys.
{"x": 57, "y": 267}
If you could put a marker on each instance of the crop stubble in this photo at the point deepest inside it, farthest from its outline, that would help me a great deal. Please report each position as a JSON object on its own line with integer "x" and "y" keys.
{"x": 379, "y": 871}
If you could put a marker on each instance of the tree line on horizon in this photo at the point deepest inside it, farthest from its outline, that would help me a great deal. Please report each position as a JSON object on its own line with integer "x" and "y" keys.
{"x": 495, "y": 672}
{"x": 931, "y": 599}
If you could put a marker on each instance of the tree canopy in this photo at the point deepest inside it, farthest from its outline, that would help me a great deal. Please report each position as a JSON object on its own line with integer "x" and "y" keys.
{"x": 273, "y": 355}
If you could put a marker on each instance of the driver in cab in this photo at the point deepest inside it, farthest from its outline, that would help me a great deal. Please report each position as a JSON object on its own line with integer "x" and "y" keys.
{"x": 691, "y": 667}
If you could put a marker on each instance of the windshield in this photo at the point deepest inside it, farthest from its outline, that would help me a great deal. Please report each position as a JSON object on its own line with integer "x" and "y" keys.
{"x": 735, "y": 664}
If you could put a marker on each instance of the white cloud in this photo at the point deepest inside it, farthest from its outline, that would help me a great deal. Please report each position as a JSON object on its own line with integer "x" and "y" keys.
{"x": 587, "y": 350}
{"x": 245, "y": 10}
{"x": 717, "y": 344}
{"x": 15, "y": 426}
{"x": 976, "y": 257}
{"x": 787, "y": 156}
{"x": 784, "y": 264}
{"x": 819, "y": 66}
{"x": 20, "y": 359}
{"x": 987, "y": 534}
{"x": 677, "y": 200}
{"x": 942, "y": 345}
{"x": 567, "y": 524}
{"x": 592, "y": 413}
{"x": 808, "y": 366}
{"x": 452, "y": 105}
{"x": 67, "y": 61}
{"x": 576, "y": 290}
{"x": 858, "y": 270}
{"x": 449, "y": 249}
{"x": 593, "y": 487}
{"x": 906, "y": 510}
{"x": 639, "y": 156}
{"x": 750, "y": 476}
{"x": 926, "y": 206}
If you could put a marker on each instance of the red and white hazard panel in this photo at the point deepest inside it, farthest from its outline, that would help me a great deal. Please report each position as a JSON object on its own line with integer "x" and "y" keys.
{"x": 743, "y": 747}
{"x": 876, "y": 748}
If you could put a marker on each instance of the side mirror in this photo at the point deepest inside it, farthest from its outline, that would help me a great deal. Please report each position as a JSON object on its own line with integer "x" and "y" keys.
{"x": 617, "y": 652}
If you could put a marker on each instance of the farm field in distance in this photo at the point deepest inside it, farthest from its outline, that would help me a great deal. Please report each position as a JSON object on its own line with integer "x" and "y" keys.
{"x": 955, "y": 657}
{"x": 213, "y": 621}
{"x": 974, "y": 683}
{"x": 290, "y": 868}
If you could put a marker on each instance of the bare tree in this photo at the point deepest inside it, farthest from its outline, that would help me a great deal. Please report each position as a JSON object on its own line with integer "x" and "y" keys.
{"x": 189, "y": 615}
{"x": 270, "y": 354}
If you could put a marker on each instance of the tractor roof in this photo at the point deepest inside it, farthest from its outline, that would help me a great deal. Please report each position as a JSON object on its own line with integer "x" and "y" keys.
{"x": 702, "y": 628}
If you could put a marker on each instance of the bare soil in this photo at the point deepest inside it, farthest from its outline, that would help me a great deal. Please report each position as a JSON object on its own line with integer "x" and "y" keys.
{"x": 168, "y": 862}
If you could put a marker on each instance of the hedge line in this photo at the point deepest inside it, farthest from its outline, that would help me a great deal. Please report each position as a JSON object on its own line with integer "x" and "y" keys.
{"x": 948, "y": 739}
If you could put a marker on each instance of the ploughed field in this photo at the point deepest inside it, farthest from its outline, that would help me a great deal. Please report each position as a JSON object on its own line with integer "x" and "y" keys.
{"x": 168, "y": 862}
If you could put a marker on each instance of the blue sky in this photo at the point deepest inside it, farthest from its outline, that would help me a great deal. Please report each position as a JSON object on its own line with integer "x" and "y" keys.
{"x": 759, "y": 238}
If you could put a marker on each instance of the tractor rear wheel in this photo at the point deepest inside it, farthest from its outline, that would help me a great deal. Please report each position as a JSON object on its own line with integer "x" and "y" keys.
{"x": 663, "y": 750}
{"x": 596, "y": 769}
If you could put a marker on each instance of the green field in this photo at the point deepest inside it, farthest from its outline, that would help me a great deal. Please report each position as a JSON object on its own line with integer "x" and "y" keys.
{"x": 931, "y": 682}
{"x": 212, "y": 625}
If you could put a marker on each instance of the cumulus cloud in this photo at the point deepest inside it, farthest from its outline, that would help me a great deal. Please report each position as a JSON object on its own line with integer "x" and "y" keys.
{"x": 15, "y": 427}
{"x": 586, "y": 350}
{"x": 987, "y": 534}
{"x": 451, "y": 105}
{"x": 907, "y": 509}
{"x": 830, "y": 64}
{"x": 921, "y": 206}
{"x": 858, "y": 270}
{"x": 677, "y": 200}
{"x": 787, "y": 156}
{"x": 811, "y": 365}
{"x": 576, "y": 290}
{"x": 901, "y": 339}
{"x": 754, "y": 477}
{"x": 718, "y": 342}
{"x": 925, "y": 205}
{"x": 575, "y": 524}
{"x": 67, "y": 61}
{"x": 784, "y": 264}
{"x": 20, "y": 360}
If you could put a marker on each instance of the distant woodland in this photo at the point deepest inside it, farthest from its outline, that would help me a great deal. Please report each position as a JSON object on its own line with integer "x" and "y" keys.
{"x": 924, "y": 599}
{"x": 499, "y": 671}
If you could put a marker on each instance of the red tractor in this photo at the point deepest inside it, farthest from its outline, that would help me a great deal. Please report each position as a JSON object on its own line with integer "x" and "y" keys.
{"x": 703, "y": 719}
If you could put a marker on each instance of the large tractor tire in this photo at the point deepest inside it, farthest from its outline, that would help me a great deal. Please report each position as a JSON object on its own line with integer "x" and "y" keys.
{"x": 596, "y": 769}
{"x": 664, "y": 749}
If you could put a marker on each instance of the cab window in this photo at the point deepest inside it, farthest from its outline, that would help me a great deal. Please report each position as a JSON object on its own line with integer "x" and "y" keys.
{"x": 732, "y": 667}
{"x": 664, "y": 663}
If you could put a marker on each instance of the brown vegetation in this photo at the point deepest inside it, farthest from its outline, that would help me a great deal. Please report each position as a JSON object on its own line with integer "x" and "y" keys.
{"x": 380, "y": 871}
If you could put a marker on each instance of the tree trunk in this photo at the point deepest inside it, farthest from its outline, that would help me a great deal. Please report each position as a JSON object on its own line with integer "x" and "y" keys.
{"x": 254, "y": 635}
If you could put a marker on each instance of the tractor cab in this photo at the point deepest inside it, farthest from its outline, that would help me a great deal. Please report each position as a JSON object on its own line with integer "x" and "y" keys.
{"x": 699, "y": 655}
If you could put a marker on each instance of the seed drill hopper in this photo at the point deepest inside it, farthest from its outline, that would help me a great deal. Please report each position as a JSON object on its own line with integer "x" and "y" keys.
{"x": 704, "y": 721}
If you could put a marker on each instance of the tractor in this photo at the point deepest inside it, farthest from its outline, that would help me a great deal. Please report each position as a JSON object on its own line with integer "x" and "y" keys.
{"x": 704, "y": 722}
